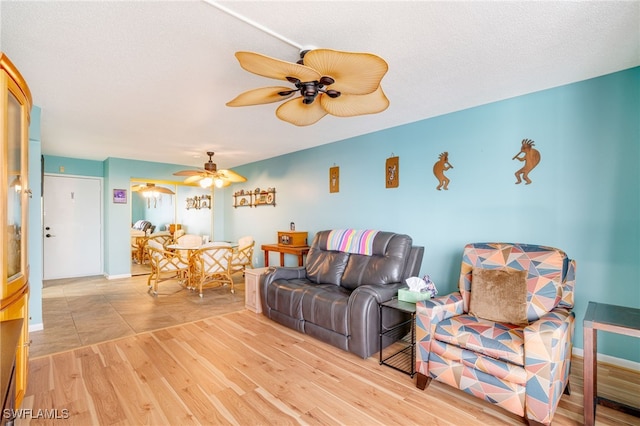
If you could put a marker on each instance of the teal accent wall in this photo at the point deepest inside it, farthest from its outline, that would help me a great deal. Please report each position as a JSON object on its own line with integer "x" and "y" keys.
{"x": 584, "y": 199}
{"x": 73, "y": 166}
{"x": 138, "y": 208}
{"x": 35, "y": 220}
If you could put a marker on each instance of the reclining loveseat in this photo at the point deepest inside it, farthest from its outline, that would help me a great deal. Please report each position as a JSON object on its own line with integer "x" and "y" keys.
{"x": 335, "y": 297}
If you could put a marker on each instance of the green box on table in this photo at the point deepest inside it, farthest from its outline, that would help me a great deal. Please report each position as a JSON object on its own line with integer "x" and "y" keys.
{"x": 406, "y": 295}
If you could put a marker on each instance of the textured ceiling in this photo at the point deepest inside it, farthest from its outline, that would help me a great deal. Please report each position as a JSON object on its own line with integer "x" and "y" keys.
{"x": 149, "y": 80}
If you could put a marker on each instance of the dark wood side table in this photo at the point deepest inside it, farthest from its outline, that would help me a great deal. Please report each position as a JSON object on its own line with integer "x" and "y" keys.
{"x": 282, "y": 249}
{"x": 614, "y": 319}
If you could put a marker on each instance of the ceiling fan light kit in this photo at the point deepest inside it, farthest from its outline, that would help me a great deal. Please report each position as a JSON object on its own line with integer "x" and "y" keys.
{"x": 342, "y": 84}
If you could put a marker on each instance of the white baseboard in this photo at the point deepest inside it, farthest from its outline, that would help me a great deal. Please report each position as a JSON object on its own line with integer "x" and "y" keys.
{"x": 36, "y": 327}
{"x": 116, "y": 277}
{"x": 608, "y": 359}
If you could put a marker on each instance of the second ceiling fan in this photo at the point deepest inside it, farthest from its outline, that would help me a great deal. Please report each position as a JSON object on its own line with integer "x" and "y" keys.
{"x": 210, "y": 175}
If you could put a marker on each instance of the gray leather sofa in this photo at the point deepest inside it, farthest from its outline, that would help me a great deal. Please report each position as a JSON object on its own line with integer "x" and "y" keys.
{"x": 335, "y": 297}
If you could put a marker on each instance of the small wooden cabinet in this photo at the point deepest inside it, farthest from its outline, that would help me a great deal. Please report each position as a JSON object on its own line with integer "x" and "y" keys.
{"x": 15, "y": 108}
{"x": 252, "y": 300}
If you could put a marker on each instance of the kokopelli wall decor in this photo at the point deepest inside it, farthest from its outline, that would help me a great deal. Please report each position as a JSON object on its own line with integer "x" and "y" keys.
{"x": 531, "y": 158}
{"x": 438, "y": 170}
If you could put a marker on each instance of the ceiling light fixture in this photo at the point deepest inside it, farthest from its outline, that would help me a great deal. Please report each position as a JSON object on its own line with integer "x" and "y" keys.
{"x": 206, "y": 182}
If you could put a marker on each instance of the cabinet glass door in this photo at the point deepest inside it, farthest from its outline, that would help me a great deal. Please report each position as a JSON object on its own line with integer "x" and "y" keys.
{"x": 14, "y": 191}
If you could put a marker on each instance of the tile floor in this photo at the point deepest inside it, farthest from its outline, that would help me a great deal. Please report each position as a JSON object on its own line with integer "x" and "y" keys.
{"x": 83, "y": 311}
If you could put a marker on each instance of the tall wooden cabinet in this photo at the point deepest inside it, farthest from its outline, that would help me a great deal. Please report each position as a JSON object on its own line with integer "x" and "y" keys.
{"x": 15, "y": 108}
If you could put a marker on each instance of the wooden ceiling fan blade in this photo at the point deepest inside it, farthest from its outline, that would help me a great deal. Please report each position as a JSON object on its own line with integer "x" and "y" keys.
{"x": 189, "y": 172}
{"x": 300, "y": 114}
{"x": 352, "y": 105}
{"x": 151, "y": 187}
{"x": 264, "y": 95}
{"x": 354, "y": 73}
{"x": 275, "y": 68}
{"x": 194, "y": 178}
{"x": 163, "y": 190}
{"x": 231, "y": 176}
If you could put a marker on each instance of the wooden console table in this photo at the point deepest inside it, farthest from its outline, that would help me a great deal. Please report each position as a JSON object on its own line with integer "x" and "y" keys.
{"x": 296, "y": 251}
{"x": 614, "y": 319}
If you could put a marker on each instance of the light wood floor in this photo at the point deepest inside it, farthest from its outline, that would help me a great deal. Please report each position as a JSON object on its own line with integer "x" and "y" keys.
{"x": 241, "y": 368}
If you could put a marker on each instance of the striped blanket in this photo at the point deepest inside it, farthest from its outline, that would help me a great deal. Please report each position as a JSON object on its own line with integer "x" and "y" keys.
{"x": 352, "y": 241}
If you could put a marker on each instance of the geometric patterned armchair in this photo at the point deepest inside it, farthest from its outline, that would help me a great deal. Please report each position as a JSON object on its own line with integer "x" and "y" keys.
{"x": 509, "y": 343}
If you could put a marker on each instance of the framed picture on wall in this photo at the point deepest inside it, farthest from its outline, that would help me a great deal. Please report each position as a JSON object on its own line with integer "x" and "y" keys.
{"x": 120, "y": 196}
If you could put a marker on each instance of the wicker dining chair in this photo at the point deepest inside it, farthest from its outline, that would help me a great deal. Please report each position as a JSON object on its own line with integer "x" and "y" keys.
{"x": 165, "y": 265}
{"x": 242, "y": 255}
{"x": 210, "y": 267}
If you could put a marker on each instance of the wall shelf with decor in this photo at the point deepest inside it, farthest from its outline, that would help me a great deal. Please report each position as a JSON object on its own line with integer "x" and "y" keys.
{"x": 243, "y": 198}
{"x": 199, "y": 202}
{"x": 254, "y": 198}
{"x": 264, "y": 197}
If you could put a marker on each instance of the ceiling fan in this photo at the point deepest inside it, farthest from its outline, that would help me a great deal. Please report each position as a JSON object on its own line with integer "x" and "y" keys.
{"x": 151, "y": 192}
{"x": 343, "y": 84}
{"x": 210, "y": 175}
{"x": 151, "y": 189}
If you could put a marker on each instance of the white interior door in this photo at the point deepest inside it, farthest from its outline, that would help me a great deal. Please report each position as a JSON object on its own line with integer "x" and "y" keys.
{"x": 72, "y": 227}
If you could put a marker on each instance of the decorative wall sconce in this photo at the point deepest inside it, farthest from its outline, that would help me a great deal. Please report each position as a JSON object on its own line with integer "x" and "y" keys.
{"x": 199, "y": 202}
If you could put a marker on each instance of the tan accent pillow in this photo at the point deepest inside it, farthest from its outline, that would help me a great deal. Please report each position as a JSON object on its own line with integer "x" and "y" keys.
{"x": 499, "y": 295}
